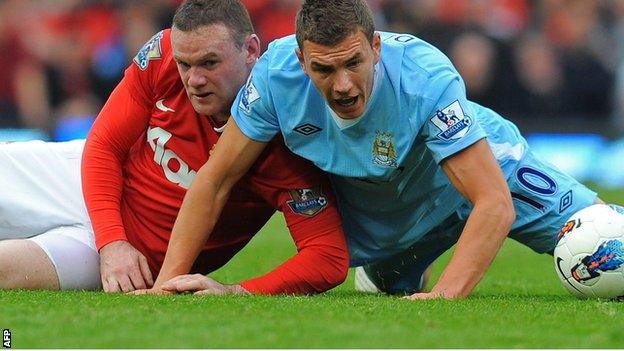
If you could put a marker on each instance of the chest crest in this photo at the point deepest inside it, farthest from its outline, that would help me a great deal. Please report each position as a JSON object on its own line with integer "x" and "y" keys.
{"x": 384, "y": 153}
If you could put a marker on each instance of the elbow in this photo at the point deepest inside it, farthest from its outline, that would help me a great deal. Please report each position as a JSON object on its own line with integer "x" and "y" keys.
{"x": 499, "y": 208}
{"x": 334, "y": 278}
{"x": 342, "y": 265}
{"x": 510, "y": 211}
{"x": 505, "y": 209}
{"x": 337, "y": 269}
{"x": 340, "y": 272}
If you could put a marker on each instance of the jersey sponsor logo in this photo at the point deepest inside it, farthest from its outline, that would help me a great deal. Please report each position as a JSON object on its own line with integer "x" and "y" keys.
{"x": 150, "y": 51}
{"x": 307, "y": 129}
{"x": 307, "y": 202}
{"x": 160, "y": 104}
{"x": 452, "y": 122}
{"x": 383, "y": 150}
{"x": 250, "y": 94}
{"x": 181, "y": 175}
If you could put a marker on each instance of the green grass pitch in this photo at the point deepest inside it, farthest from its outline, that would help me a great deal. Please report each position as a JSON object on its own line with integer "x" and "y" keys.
{"x": 519, "y": 304}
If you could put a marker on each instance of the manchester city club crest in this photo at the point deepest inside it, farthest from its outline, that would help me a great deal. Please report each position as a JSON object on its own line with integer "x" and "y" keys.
{"x": 307, "y": 202}
{"x": 383, "y": 150}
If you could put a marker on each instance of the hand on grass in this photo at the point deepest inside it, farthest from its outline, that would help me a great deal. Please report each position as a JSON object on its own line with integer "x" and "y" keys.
{"x": 434, "y": 295}
{"x": 200, "y": 285}
{"x": 124, "y": 268}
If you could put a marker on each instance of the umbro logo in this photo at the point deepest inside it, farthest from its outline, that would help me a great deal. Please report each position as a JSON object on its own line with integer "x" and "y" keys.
{"x": 307, "y": 129}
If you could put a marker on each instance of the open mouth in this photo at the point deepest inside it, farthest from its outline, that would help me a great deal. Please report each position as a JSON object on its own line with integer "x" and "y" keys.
{"x": 347, "y": 102}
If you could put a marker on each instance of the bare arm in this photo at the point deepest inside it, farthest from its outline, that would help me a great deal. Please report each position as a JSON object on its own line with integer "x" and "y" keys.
{"x": 476, "y": 175}
{"x": 321, "y": 261}
{"x": 233, "y": 156}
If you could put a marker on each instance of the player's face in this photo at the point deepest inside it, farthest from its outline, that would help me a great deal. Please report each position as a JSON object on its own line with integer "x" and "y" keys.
{"x": 343, "y": 73}
{"x": 212, "y": 66}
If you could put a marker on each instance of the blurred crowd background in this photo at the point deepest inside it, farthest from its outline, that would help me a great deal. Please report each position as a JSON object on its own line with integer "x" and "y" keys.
{"x": 548, "y": 65}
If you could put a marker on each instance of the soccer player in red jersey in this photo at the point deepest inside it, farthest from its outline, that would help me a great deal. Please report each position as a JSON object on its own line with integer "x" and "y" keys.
{"x": 158, "y": 127}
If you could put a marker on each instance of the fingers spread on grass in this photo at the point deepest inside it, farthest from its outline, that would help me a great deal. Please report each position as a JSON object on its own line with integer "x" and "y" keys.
{"x": 424, "y": 296}
{"x": 187, "y": 282}
{"x": 211, "y": 291}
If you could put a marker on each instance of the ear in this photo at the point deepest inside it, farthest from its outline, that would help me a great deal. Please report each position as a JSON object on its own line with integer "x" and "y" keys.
{"x": 252, "y": 45}
{"x": 301, "y": 59}
{"x": 376, "y": 47}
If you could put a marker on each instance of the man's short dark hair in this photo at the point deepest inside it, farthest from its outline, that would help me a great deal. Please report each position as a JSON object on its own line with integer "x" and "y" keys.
{"x": 193, "y": 14}
{"x": 329, "y": 22}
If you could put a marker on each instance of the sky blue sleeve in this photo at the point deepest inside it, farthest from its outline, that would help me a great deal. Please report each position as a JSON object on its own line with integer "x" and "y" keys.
{"x": 253, "y": 109}
{"x": 450, "y": 124}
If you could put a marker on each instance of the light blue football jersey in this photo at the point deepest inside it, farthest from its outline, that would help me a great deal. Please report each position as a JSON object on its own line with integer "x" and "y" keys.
{"x": 385, "y": 168}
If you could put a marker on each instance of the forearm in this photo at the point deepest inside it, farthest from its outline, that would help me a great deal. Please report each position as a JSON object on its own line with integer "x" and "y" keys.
{"x": 117, "y": 127}
{"x": 475, "y": 174}
{"x": 192, "y": 227}
{"x": 321, "y": 265}
{"x": 102, "y": 183}
{"x": 483, "y": 235}
{"x": 206, "y": 197}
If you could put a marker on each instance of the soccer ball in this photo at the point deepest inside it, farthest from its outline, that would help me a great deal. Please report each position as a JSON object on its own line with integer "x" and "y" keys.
{"x": 589, "y": 257}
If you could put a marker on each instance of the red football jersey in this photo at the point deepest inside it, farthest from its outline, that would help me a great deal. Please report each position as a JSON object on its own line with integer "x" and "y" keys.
{"x": 143, "y": 153}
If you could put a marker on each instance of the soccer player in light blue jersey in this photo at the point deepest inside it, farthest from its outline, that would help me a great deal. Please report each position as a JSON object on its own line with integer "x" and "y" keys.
{"x": 416, "y": 167}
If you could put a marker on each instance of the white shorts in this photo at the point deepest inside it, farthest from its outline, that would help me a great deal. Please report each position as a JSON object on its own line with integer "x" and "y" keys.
{"x": 41, "y": 200}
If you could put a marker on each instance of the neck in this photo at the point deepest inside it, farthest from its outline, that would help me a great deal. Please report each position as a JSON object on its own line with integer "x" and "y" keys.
{"x": 220, "y": 118}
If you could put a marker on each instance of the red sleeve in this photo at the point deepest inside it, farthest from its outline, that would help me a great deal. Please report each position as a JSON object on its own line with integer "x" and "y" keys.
{"x": 302, "y": 192}
{"x": 122, "y": 121}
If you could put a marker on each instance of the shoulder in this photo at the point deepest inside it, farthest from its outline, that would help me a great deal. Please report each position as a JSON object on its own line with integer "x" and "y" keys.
{"x": 420, "y": 67}
{"x": 278, "y": 71}
{"x": 280, "y": 57}
{"x": 157, "y": 48}
{"x": 153, "y": 66}
{"x": 414, "y": 53}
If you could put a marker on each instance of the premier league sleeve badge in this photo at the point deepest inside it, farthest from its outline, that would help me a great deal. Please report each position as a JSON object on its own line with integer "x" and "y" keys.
{"x": 452, "y": 122}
